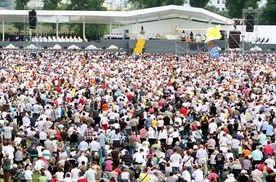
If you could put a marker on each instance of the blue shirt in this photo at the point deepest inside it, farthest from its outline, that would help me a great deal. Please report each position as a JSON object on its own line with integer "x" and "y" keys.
{"x": 257, "y": 155}
{"x": 265, "y": 125}
{"x": 262, "y": 139}
{"x": 269, "y": 130}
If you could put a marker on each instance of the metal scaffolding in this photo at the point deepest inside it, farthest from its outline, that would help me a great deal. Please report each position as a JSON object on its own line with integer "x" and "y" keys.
{"x": 249, "y": 39}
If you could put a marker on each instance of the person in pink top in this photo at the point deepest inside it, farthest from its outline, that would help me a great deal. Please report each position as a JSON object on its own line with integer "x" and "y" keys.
{"x": 213, "y": 177}
{"x": 108, "y": 164}
{"x": 268, "y": 149}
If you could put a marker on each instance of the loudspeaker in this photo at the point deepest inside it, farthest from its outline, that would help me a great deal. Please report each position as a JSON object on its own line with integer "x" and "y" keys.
{"x": 32, "y": 19}
{"x": 222, "y": 34}
{"x": 234, "y": 39}
{"x": 250, "y": 22}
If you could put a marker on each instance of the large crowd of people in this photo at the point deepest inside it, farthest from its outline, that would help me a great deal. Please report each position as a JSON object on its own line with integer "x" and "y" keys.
{"x": 77, "y": 116}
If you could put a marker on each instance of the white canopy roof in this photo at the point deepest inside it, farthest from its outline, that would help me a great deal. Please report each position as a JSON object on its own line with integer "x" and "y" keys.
{"x": 116, "y": 17}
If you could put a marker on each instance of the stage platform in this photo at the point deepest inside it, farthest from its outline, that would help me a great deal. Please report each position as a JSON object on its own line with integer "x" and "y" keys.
{"x": 152, "y": 46}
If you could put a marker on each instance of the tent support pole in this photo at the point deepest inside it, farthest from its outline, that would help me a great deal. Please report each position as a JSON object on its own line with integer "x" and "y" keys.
{"x": 57, "y": 30}
{"x": 3, "y": 30}
{"x": 110, "y": 30}
{"x": 83, "y": 29}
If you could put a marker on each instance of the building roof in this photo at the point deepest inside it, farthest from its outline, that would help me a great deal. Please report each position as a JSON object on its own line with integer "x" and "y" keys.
{"x": 116, "y": 17}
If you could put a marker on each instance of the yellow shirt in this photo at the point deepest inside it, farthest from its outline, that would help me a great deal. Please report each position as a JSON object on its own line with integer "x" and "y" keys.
{"x": 154, "y": 123}
{"x": 144, "y": 177}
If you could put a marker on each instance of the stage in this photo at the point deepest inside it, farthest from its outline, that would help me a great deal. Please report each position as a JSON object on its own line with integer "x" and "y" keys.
{"x": 151, "y": 46}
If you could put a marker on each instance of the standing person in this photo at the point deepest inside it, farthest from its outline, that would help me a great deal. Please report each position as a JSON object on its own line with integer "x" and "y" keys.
{"x": 6, "y": 167}
{"x": 102, "y": 140}
{"x": 7, "y": 132}
{"x": 90, "y": 174}
{"x": 201, "y": 156}
{"x": 144, "y": 176}
{"x": 82, "y": 178}
{"x": 257, "y": 156}
{"x": 220, "y": 160}
{"x": 257, "y": 174}
{"x": 198, "y": 174}
{"x": 175, "y": 160}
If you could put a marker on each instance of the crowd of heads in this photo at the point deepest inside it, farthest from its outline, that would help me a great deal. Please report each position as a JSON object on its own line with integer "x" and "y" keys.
{"x": 109, "y": 116}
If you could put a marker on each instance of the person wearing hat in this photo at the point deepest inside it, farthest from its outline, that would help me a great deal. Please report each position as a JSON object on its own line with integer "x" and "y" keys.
{"x": 230, "y": 178}
{"x": 177, "y": 147}
{"x": 186, "y": 174}
{"x": 243, "y": 176}
{"x": 236, "y": 168}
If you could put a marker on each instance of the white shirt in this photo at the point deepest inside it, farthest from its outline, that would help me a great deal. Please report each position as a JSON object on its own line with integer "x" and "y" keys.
{"x": 138, "y": 157}
{"x": 67, "y": 179}
{"x": 83, "y": 146}
{"x": 212, "y": 127}
{"x": 8, "y": 150}
{"x": 42, "y": 135}
{"x": 82, "y": 158}
{"x": 186, "y": 176}
{"x": 201, "y": 155}
{"x": 75, "y": 174}
{"x": 28, "y": 175}
{"x": 270, "y": 163}
{"x": 257, "y": 175}
{"x": 94, "y": 146}
{"x": 235, "y": 143}
{"x": 90, "y": 175}
{"x": 7, "y": 132}
{"x": 175, "y": 160}
{"x": 60, "y": 175}
{"x": 198, "y": 175}
{"x": 188, "y": 160}
{"x": 39, "y": 164}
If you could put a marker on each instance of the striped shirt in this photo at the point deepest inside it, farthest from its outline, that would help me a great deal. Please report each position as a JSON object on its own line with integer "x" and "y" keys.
{"x": 143, "y": 133}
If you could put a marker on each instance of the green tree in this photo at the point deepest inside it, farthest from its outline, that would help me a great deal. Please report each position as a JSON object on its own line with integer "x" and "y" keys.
{"x": 51, "y": 4}
{"x": 199, "y": 3}
{"x": 93, "y": 31}
{"x": 268, "y": 13}
{"x": 235, "y": 7}
{"x": 217, "y": 11}
{"x": 141, "y": 4}
{"x": 20, "y": 5}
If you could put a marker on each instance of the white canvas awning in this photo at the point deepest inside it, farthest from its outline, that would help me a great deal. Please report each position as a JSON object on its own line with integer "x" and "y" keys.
{"x": 116, "y": 17}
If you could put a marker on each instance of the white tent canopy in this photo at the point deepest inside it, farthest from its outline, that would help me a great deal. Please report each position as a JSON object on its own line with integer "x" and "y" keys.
{"x": 116, "y": 17}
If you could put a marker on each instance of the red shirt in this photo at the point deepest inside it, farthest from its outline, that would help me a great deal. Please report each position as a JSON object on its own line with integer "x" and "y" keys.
{"x": 184, "y": 111}
{"x": 213, "y": 176}
{"x": 82, "y": 179}
{"x": 268, "y": 149}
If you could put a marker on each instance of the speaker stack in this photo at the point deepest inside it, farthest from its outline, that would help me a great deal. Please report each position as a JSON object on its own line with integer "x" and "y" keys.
{"x": 234, "y": 39}
{"x": 32, "y": 19}
{"x": 249, "y": 22}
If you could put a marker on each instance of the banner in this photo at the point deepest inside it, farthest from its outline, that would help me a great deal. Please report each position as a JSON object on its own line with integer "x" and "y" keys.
{"x": 213, "y": 49}
{"x": 211, "y": 35}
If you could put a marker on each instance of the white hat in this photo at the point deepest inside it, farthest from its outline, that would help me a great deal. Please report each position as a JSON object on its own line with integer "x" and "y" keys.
{"x": 177, "y": 143}
{"x": 231, "y": 176}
